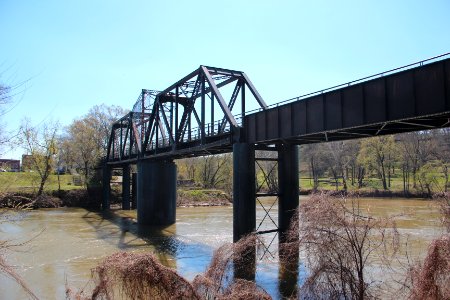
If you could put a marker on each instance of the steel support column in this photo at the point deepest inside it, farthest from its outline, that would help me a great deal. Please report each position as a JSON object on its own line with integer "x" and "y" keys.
{"x": 288, "y": 181}
{"x": 133, "y": 190}
{"x": 106, "y": 187}
{"x": 156, "y": 192}
{"x": 126, "y": 187}
{"x": 244, "y": 207}
{"x": 288, "y": 201}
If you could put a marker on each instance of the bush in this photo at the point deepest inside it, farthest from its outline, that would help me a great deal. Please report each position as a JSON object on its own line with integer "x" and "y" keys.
{"x": 46, "y": 201}
{"x": 340, "y": 241}
{"x": 89, "y": 198}
{"x": 431, "y": 279}
{"x": 16, "y": 200}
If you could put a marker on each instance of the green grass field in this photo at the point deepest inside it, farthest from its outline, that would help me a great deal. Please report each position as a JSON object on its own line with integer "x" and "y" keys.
{"x": 29, "y": 182}
{"x": 373, "y": 183}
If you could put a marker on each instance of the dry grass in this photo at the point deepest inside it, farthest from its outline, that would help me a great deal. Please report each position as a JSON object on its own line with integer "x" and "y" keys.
{"x": 140, "y": 276}
{"x": 444, "y": 206}
{"x": 431, "y": 278}
{"x": 218, "y": 283}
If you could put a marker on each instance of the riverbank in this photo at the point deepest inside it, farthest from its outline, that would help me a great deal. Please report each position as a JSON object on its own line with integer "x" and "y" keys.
{"x": 85, "y": 198}
{"x": 91, "y": 198}
{"x": 192, "y": 197}
{"x": 375, "y": 193}
{"x": 202, "y": 197}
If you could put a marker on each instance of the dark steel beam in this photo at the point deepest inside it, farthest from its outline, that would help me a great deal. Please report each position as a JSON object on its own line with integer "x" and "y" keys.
{"x": 219, "y": 97}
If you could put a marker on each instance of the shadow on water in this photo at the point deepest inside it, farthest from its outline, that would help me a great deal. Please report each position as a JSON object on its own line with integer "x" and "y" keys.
{"x": 172, "y": 250}
{"x": 189, "y": 257}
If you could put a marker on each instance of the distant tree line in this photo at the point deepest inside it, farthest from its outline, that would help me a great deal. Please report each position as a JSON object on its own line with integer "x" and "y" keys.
{"x": 421, "y": 160}
{"x": 416, "y": 161}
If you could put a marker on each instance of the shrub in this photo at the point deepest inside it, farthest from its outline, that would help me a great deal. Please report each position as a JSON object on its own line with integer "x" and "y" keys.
{"x": 431, "y": 278}
{"x": 339, "y": 242}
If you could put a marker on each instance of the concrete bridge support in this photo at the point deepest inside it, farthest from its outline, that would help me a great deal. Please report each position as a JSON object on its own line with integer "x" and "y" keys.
{"x": 126, "y": 187}
{"x": 244, "y": 206}
{"x": 106, "y": 186}
{"x": 156, "y": 192}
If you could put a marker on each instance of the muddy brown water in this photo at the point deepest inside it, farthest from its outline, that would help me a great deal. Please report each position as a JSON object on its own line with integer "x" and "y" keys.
{"x": 63, "y": 245}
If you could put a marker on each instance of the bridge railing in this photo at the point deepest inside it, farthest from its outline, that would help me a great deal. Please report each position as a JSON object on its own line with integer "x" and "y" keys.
{"x": 211, "y": 130}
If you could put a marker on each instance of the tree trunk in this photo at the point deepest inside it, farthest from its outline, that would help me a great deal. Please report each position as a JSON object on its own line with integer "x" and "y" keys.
{"x": 314, "y": 174}
{"x": 446, "y": 178}
{"x": 344, "y": 178}
{"x": 353, "y": 175}
{"x": 336, "y": 179}
{"x": 389, "y": 177}
{"x": 44, "y": 179}
{"x": 404, "y": 178}
{"x": 360, "y": 176}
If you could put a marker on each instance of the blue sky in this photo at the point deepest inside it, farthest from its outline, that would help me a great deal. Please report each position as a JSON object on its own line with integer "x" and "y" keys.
{"x": 76, "y": 54}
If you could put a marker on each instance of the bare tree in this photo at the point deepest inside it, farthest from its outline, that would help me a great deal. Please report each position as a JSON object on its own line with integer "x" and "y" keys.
{"x": 442, "y": 140}
{"x": 339, "y": 242}
{"x": 338, "y": 162}
{"x": 4, "y": 99}
{"x": 314, "y": 156}
{"x": 40, "y": 144}
{"x": 214, "y": 170}
{"x": 378, "y": 154}
{"x": 86, "y": 139}
{"x": 416, "y": 149}
{"x": 267, "y": 171}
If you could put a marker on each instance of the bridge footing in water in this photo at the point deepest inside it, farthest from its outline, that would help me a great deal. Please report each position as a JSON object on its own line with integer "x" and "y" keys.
{"x": 244, "y": 205}
{"x": 156, "y": 192}
{"x": 288, "y": 184}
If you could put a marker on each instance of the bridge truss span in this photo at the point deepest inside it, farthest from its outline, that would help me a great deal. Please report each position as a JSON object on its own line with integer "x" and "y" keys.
{"x": 201, "y": 114}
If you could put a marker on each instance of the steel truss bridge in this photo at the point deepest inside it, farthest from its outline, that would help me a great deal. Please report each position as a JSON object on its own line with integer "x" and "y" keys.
{"x": 205, "y": 112}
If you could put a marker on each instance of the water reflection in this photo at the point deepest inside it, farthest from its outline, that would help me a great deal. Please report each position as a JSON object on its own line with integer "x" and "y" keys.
{"x": 76, "y": 240}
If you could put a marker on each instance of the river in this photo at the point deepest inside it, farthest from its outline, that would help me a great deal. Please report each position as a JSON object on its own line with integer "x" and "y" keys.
{"x": 62, "y": 245}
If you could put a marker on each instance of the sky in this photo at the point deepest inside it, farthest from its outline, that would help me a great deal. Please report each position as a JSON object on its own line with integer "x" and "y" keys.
{"x": 67, "y": 56}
